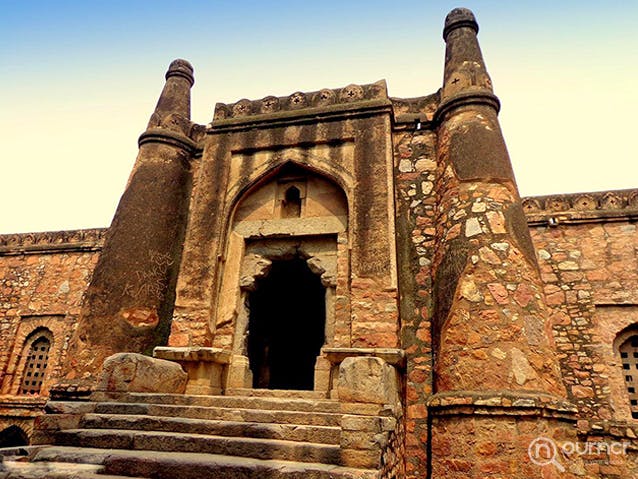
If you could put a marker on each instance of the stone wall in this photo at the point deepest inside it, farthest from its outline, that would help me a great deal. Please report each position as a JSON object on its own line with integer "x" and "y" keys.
{"x": 43, "y": 277}
{"x": 588, "y": 253}
{"x": 415, "y": 169}
{"x": 587, "y": 248}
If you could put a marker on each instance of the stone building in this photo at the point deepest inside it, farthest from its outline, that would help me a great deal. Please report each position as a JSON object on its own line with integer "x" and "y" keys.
{"x": 332, "y": 284}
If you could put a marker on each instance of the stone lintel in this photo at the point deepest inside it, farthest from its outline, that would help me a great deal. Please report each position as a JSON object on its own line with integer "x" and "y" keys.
{"x": 392, "y": 356}
{"x": 508, "y": 403}
{"x": 77, "y": 390}
{"x": 179, "y": 354}
{"x": 22, "y": 406}
{"x": 292, "y": 227}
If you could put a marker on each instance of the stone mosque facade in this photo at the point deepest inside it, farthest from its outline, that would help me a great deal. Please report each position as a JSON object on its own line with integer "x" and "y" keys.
{"x": 332, "y": 284}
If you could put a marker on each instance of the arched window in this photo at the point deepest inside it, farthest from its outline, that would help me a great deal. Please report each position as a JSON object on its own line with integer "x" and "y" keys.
{"x": 629, "y": 356}
{"x": 291, "y": 207}
{"x": 13, "y": 436}
{"x": 36, "y": 364}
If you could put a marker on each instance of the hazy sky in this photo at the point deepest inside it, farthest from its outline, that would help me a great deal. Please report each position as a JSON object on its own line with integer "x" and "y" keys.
{"x": 78, "y": 81}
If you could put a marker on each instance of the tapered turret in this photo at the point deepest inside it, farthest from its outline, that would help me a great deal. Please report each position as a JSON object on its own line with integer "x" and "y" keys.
{"x": 496, "y": 322}
{"x": 175, "y": 100}
{"x": 129, "y": 302}
{"x": 494, "y": 345}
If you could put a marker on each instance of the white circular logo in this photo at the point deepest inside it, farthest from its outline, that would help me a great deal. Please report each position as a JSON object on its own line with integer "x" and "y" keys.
{"x": 542, "y": 451}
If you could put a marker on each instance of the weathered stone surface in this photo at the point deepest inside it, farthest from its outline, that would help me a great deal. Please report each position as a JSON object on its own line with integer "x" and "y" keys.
{"x": 132, "y": 289}
{"x": 367, "y": 380}
{"x": 409, "y": 214}
{"x": 130, "y": 372}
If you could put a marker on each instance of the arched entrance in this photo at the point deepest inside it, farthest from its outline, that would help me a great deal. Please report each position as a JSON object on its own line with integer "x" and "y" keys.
{"x": 13, "y": 436}
{"x": 286, "y": 327}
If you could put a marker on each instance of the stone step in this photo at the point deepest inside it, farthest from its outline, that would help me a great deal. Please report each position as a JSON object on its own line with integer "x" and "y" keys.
{"x": 243, "y": 402}
{"x": 221, "y": 413}
{"x": 277, "y": 393}
{"x": 169, "y": 465}
{"x": 182, "y": 442}
{"x": 52, "y": 470}
{"x": 286, "y": 432}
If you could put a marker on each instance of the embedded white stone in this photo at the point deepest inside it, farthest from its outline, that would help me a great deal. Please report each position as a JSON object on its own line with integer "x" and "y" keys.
{"x": 405, "y": 166}
{"x": 472, "y": 227}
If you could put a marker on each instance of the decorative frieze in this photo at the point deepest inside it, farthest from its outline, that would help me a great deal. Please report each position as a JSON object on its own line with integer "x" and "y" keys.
{"x": 325, "y": 98}
{"x": 581, "y": 207}
{"x": 52, "y": 242}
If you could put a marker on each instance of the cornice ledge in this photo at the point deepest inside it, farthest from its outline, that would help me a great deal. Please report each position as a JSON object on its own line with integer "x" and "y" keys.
{"x": 284, "y": 118}
{"x": 573, "y": 208}
{"x": 52, "y": 242}
{"x": 472, "y": 97}
{"x": 168, "y": 137}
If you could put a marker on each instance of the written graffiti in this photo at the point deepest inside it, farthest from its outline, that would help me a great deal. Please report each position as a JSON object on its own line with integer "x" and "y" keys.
{"x": 150, "y": 283}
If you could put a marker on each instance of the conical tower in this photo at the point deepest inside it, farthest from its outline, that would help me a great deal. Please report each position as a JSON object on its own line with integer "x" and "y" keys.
{"x": 497, "y": 377}
{"x": 128, "y": 304}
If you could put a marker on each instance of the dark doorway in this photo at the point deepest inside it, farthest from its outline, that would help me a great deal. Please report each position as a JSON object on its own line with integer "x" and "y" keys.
{"x": 13, "y": 436}
{"x": 286, "y": 326}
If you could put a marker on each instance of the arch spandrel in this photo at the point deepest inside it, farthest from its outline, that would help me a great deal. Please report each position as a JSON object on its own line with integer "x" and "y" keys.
{"x": 335, "y": 163}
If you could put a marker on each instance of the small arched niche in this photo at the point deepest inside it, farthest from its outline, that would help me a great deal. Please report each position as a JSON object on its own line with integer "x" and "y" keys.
{"x": 36, "y": 352}
{"x": 13, "y": 436}
{"x": 280, "y": 277}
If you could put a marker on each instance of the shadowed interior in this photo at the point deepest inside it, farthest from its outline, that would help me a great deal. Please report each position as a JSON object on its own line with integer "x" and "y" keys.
{"x": 13, "y": 436}
{"x": 286, "y": 326}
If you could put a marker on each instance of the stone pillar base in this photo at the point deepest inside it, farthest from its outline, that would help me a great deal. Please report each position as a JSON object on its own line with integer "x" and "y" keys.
{"x": 335, "y": 356}
{"x": 239, "y": 374}
{"x": 502, "y": 434}
{"x": 207, "y": 368}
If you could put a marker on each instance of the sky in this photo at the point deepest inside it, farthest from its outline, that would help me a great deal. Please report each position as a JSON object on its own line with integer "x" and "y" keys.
{"x": 79, "y": 80}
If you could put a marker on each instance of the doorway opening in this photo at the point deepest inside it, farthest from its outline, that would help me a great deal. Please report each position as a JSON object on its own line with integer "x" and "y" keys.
{"x": 286, "y": 326}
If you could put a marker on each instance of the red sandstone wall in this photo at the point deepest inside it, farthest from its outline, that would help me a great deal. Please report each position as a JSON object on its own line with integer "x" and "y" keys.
{"x": 42, "y": 281}
{"x": 415, "y": 167}
{"x": 591, "y": 282}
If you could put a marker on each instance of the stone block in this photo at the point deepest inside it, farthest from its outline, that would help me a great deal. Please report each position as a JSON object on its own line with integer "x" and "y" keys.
{"x": 323, "y": 369}
{"x": 239, "y": 374}
{"x": 206, "y": 367}
{"x": 367, "y": 379}
{"x": 132, "y": 372}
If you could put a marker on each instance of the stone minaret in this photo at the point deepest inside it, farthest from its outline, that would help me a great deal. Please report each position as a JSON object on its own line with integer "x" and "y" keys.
{"x": 128, "y": 304}
{"x": 495, "y": 354}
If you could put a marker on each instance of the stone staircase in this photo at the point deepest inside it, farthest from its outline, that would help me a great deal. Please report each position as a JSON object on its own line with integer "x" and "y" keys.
{"x": 268, "y": 434}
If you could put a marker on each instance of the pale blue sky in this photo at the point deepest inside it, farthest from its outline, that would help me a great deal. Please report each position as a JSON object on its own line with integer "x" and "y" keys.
{"x": 78, "y": 81}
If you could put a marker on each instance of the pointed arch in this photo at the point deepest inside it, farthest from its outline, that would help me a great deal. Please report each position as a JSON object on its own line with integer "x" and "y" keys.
{"x": 36, "y": 349}
{"x": 313, "y": 164}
